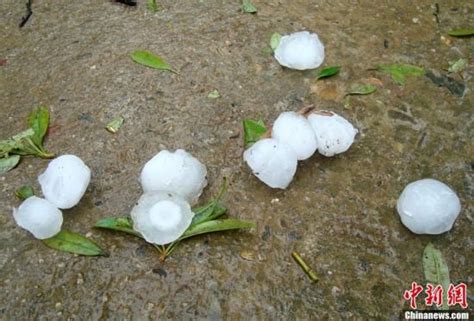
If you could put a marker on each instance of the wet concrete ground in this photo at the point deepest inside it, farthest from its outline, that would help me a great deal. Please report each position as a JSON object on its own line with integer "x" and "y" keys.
{"x": 73, "y": 56}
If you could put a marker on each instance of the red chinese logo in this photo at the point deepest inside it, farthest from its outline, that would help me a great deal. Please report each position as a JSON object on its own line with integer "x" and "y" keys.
{"x": 412, "y": 294}
{"x": 456, "y": 294}
{"x": 434, "y": 295}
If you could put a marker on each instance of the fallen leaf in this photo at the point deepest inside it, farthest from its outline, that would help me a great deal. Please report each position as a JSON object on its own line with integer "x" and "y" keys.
{"x": 151, "y": 60}
{"x": 362, "y": 89}
{"x": 214, "y": 94}
{"x": 275, "y": 40}
{"x": 24, "y": 192}
{"x": 462, "y": 32}
{"x": 8, "y": 163}
{"x": 115, "y": 124}
{"x": 458, "y": 65}
{"x": 436, "y": 270}
{"x": 72, "y": 242}
{"x": 399, "y": 72}
{"x": 248, "y": 6}
{"x": 253, "y": 130}
{"x": 328, "y": 72}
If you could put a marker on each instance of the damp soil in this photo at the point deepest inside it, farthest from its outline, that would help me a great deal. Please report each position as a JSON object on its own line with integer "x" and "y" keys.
{"x": 338, "y": 213}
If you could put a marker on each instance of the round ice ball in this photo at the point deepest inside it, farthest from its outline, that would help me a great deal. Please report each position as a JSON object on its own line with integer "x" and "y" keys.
{"x": 39, "y": 217}
{"x": 177, "y": 172}
{"x": 161, "y": 217}
{"x": 428, "y": 206}
{"x": 295, "y": 131}
{"x": 300, "y": 50}
{"x": 273, "y": 162}
{"x": 334, "y": 134}
{"x": 65, "y": 181}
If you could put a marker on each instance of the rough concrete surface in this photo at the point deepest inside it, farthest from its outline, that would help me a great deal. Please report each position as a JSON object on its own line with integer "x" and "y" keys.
{"x": 74, "y": 57}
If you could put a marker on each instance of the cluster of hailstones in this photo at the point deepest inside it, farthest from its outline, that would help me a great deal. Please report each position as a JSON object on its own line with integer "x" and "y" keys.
{"x": 63, "y": 184}
{"x": 296, "y": 136}
{"x": 425, "y": 206}
{"x": 171, "y": 183}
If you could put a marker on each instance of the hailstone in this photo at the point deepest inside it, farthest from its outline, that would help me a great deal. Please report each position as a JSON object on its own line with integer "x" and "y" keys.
{"x": 334, "y": 134}
{"x": 161, "y": 217}
{"x": 39, "y": 217}
{"x": 177, "y": 172}
{"x": 300, "y": 50}
{"x": 295, "y": 130}
{"x": 428, "y": 206}
{"x": 273, "y": 162}
{"x": 65, "y": 181}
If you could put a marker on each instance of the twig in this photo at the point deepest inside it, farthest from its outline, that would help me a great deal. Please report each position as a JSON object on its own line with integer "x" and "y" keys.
{"x": 309, "y": 272}
{"x": 26, "y": 17}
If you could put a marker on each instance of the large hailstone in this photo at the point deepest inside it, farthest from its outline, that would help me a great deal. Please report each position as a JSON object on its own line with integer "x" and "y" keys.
{"x": 295, "y": 130}
{"x": 273, "y": 162}
{"x": 334, "y": 134}
{"x": 161, "y": 217}
{"x": 65, "y": 181}
{"x": 428, "y": 206}
{"x": 39, "y": 216}
{"x": 177, "y": 172}
{"x": 300, "y": 50}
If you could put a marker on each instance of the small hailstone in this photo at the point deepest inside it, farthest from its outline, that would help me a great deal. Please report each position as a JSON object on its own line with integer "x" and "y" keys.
{"x": 295, "y": 130}
{"x": 273, "y": 162}
{"x": 334, "y": 134}
{"x": 39, "y": 216}
{"x": 177, "y": 172}
{"x": 65, "y": 181}
{"x": 428, "y": 206}
{"x": 300, "y": 50}
{"x": 161, "y": 217}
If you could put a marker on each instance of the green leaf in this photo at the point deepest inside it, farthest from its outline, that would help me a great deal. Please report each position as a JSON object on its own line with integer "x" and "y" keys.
{"x": 248, "y": 6}
{"x": 458, "y": 65}
{"x": 23, "y": 144}
{"x": 275, "y": 40}
{"x": 151, "y": 60}
{"x": 362, "y": 89}
{"x": 38, "y": 120}
{"x": 214, "y": 94}
{"x": 211, "y": 210}
{"x": 15, "y": 142}
{"x": 399, "y": 72}
{"x": 8, "y": 163}
{"x": 328, "y": 72}
{"x": 436, "y": 270}
{"x": 153, "y": 6}
{"x": 122, "y": 224}
{"x": 115, "y": 124}
{"x": 72, "y": 242}
{"x": 216, "y": 226}
{"x": 253, "y": 130}
{"x": 24, "y": 192}
{"x": 462, "y": 32}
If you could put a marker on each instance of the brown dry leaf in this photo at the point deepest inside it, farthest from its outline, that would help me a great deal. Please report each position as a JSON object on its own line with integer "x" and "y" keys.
{"x": 247, "y": 255}
{"x": 327, "y": 91}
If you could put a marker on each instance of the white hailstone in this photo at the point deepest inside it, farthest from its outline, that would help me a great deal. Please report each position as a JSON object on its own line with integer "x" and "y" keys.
{"x": 300, "y": 50}
{"x": 39, "y": 216}
{"x": 295, "y": 130}
{"x": 65, "y": 181}
{"x": 273, "y": 162}
{"x": 428, "y": 206}
{"x": 161, "y": 217}
{"x": 177, "y": 172}
{"x": 334, "y": 134}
